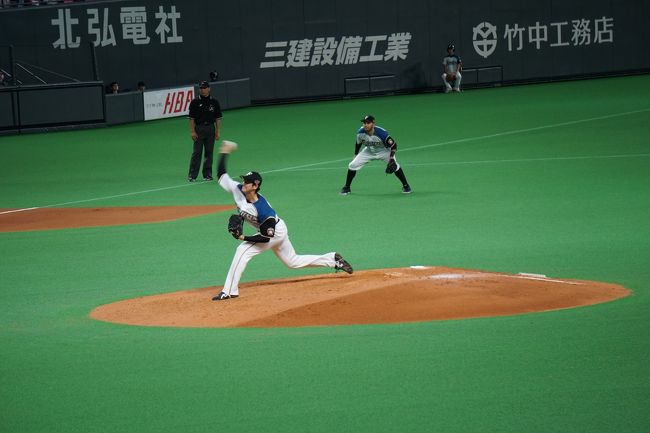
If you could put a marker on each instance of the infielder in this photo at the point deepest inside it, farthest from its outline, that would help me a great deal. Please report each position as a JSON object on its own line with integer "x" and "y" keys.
{"x": 451, "y": 67}
{"x": 377, "y": 144}
{"x": 271, "y": 233}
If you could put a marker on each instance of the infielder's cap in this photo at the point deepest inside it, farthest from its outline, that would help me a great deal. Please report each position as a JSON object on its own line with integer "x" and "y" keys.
{"x": 204, "y": 85}
{"x": 368, "y": 118}
{"x": 252, "y": 177}
{"x": 451, "y": 47}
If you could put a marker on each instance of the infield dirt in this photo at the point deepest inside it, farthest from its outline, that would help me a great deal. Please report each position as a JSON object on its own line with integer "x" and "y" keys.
{"x": 413, "y": 294}
{"x": 20, "y": 220}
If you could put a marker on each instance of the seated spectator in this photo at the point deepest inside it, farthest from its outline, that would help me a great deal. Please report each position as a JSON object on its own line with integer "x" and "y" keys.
{"x": 113, "y": 88}
{"x": 141, "y": 86}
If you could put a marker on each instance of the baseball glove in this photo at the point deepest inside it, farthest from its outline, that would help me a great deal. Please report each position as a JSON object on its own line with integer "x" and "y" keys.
{"x": 391, "y": 167}
{"x": 236, "y": 225}
{"x": 451, "y": 77}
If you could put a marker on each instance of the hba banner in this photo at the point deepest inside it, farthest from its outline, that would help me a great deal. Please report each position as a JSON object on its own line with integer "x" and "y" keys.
{"x": 174, "y": 102}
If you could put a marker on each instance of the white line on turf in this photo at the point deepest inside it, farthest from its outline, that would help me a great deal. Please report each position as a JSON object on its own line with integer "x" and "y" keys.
{"x": 482, "y": 137}
{"x": 536, "y": 128}
{"x": 444, "y": 143}
{"x": 18, "y": 210}
{"x": 499, "y": 161}
{"x": 553, "y": 158}
{"x": 108, "y": 197}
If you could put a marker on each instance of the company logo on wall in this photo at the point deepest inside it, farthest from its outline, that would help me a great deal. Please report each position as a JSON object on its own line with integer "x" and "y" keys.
{"x": 578, "y": 32}
{"x": 484, "y": 39}
{"x": 328, "y": 51}
{"x": 160, "y": 104}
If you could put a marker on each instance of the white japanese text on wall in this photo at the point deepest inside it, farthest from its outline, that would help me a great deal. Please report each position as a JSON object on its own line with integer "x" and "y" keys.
{"x": 134, "y": 23}
{"x": 576, "y": 33}
{"x": 347, "y": 50}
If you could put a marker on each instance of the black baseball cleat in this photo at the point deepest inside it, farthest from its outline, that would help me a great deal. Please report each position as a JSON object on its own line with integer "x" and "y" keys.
{"x": 223, "y": 295}
{"x": 191, "y": 179}
{"x": 342, "y": 264}
{"x": 208, "y": 178}
{"x": 406, "y": 189}
{"x": 345, "y": 190}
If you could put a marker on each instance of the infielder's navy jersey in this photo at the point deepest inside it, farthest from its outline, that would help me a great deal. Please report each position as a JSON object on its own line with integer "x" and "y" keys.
{"x": 254, "y": 213}
{"x": 375, "y": 142}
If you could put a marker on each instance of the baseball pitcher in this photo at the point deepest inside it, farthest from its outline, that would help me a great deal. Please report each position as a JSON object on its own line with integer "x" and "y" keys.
{"x": 272, "y": 232}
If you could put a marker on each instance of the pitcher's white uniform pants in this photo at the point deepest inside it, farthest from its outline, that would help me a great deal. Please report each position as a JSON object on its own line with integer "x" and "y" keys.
{"x": 283, "y": 249}
{"x": 366, "y": 155}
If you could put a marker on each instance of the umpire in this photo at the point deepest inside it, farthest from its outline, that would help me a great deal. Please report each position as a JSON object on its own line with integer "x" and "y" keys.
{"x": 205, "y": 125}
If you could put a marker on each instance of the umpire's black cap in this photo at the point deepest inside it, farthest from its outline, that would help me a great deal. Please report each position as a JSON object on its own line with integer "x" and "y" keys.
{"x": 252, "y": 177}
{"x": 204, "y": 85}
{"x": 368, "y": 119}
{"x": 451, "y": 47}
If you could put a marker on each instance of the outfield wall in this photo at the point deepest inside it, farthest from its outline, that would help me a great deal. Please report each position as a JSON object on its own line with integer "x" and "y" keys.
{"x": 294, "y": 49}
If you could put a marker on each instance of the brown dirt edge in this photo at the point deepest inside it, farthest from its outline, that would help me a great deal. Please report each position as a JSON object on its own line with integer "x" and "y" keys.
{"x": 413, "y": 294}
{"x": 13, "y": 220}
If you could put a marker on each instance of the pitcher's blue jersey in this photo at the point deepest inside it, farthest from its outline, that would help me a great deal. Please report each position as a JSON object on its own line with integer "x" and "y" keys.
{"x": 254, "y": 213}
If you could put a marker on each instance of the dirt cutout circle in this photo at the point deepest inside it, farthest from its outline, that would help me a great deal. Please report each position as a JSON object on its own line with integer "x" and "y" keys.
{"x": 22, "y": 220}
{"x": 414, "y": 294}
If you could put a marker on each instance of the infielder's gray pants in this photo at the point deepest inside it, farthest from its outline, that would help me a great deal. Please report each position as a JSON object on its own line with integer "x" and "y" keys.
{"x": 366, "y": 155}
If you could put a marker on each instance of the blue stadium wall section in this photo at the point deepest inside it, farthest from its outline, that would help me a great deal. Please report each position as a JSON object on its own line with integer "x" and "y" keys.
{"x": 310, "y": 49}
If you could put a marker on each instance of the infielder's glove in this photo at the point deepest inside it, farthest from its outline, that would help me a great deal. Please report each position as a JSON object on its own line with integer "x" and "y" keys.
{"x": 236, "y": 225}
{"x": 391, "y": 167}
{"x": 451, "y": 77}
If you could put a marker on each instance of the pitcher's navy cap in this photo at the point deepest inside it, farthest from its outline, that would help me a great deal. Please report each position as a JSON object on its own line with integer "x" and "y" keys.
{"x": 252, "y": 177}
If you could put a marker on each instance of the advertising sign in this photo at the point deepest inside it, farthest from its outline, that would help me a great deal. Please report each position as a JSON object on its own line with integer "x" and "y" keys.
{"x": 159, "y": 104}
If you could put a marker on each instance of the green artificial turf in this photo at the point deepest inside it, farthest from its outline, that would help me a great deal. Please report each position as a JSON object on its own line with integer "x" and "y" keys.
{"x": 549, "y": 179}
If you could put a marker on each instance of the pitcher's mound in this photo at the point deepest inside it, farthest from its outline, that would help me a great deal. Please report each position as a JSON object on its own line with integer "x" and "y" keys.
{"x": 375, "y": 296}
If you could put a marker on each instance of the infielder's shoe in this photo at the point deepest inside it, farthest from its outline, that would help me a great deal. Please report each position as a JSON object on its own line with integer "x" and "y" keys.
{"x": 345, "y": 190}
{"x": 406, "y": 189}
{"x": 191, "y": 179}
{"x": 208, "y": 178}
{"x": 342, "y": 264}
{"x": 223, "y": 295}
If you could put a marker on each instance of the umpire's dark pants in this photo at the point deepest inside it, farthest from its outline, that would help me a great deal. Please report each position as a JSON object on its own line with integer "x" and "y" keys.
{"x": 204, "y": 141}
